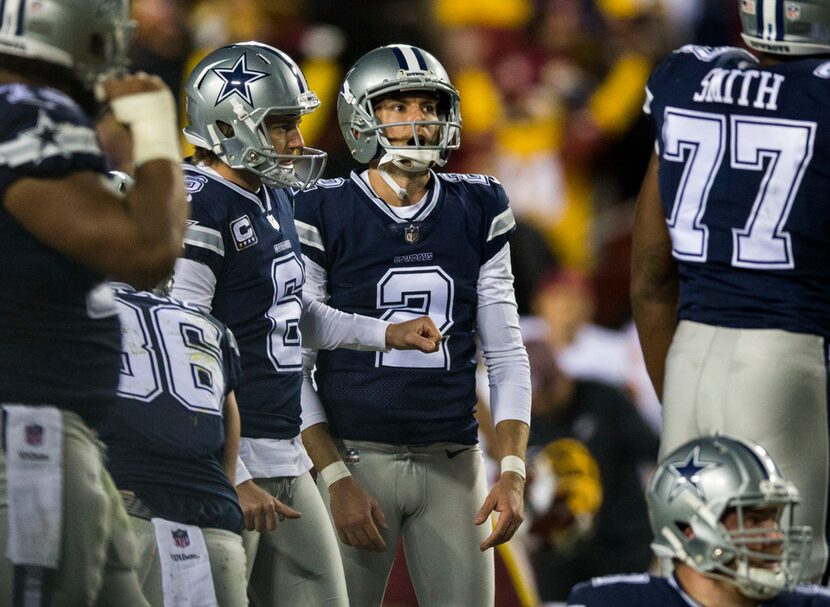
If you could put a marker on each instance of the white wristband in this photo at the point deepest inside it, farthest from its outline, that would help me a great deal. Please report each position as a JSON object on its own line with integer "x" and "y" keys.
{"x": 152, "y": 120}
{"x": 334, "y": 472}
{"x": 513, "y": 463}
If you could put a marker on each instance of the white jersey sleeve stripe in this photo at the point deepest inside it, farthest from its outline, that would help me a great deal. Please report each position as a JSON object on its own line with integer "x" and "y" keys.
{"x": 309, "y": 235}
{"x": 207, "y": 238}
{"x": 30, "y": 145}
{"x": 503, "y": 222}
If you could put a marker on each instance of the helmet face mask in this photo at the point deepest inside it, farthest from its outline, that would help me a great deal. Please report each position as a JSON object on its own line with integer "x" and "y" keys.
{"x": 398, "y": 71}
{"x": 90, "y": 38}
{"x": 793, "y": 28}
{"x": 241, "y": 86}
{"x": 721, "y": 507}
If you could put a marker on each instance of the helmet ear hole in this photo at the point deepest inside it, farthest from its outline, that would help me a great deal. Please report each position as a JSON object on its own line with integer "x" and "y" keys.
{"x": 225, "y": 128}
{"x": 97, "y": 45}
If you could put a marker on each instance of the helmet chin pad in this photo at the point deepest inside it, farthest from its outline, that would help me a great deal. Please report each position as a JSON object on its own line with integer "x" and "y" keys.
{"x": 412, "y": 160}
{"x": 759, "y": 583}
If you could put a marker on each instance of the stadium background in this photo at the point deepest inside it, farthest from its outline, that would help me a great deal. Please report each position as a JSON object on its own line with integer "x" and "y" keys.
{"x": 551, "y": 96}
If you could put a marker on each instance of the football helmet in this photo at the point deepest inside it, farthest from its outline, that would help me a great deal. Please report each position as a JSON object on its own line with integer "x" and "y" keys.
{"x": 792, "y": 28}
{"x": 240, "y": 85}
{"x": 88, "y": 37}
{"x": 697, "y": 485}
{"x": 393, "y": 69}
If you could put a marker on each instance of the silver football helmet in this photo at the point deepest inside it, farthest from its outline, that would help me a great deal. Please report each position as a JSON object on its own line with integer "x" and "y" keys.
{"x": 699, "y": 483}
{"x": 88, "y": 37}
{"x": 393, "y": 69}
{"x": 791, "y": 27}
{"x": 239, "y": 86}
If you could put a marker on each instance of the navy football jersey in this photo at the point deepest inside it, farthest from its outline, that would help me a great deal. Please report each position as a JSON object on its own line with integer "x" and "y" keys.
{"x": 165, "y": 436}
{"x": 59, "y": 334}
{"x": 648, "y": 591}
{"x": 383, "y": 266}
{"x": 250, "y": 244}
{"x": 745, "y": 181}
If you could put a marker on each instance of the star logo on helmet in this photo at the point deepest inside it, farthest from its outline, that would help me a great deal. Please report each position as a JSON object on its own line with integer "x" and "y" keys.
{"x": 237, "y": 80}
{"x": 687, "y": 474}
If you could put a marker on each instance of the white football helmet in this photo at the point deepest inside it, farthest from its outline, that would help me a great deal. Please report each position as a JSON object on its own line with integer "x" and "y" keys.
{"x": 90, "y": 38}
{"x": 240, "y": 85}
{"x": 696, "y": 485}
{"x": 786, "y": 27}
{"x": 391, "y": 69}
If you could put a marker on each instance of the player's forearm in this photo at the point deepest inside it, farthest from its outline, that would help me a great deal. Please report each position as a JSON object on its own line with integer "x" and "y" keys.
{"x": 654, "y": 279}
{"x": 156, "y": 204}
{"x": 144, "y": 247}
{"x": 511, "y": 435}
{"x": 656, "y": 322}
{"x": 326, "y": 328}
{"x": 232, "y": 429}
{"x": 320, "y": 446}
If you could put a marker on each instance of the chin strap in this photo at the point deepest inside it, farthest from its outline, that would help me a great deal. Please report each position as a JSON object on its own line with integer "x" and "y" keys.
{"x": 410, "y": 161}
{"x": 399, "y": 191}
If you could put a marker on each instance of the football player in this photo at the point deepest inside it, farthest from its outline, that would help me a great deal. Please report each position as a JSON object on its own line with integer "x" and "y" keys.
{"x": 731, "y": 267}
{"x": 722, "y": 511}
{"x": 176, "y": 415}
{"x": 62, "y": 230}
{"x": 395, "y": 241}
{"x": 242, "y": 261}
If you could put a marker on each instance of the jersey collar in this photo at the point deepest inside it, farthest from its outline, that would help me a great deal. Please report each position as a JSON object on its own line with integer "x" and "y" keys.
{"x": 432, "y": 199}
{"x": 263, "y": 203}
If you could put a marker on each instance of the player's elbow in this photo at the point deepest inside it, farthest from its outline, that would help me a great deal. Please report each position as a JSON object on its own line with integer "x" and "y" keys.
{"x": 653, "y": 280}
{"x": 149, "y": 265}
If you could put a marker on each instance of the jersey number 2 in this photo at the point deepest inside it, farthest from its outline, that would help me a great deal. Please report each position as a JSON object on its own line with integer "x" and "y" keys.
{"x": 404, "y": 294}
{"x": 698, "y": 140}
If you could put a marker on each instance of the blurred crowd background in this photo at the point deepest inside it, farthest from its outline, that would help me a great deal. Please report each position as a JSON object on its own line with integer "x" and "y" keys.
{"x": 551, "y": 97}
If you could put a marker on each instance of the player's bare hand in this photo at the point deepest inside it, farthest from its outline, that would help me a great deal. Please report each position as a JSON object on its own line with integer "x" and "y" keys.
{"x": 416, "y": 334}
{"x": 357, "y": 516}
{"x": 132, "y": 84}
{"x": 507, "y": 498}
{"x": 260, "y": 509}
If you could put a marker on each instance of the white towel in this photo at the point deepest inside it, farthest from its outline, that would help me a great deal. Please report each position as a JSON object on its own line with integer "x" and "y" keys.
{"x": 186, "y": 580}
{"x": 34, "y": 481}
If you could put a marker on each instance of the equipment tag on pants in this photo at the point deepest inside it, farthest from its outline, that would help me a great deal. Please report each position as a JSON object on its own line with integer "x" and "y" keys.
{"x": 186, "y": 580}
{"x": 34, "y": 481}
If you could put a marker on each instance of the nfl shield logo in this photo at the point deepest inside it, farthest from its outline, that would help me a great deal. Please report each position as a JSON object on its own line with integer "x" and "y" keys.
{"x": 748, "y": 6}
{"x": 411, "y": 234}
{"x": 181, "y": 538}
{"x": 34, "y": 435}
{"x": 274, "y": 223}
{"x": 793, "y": 11}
